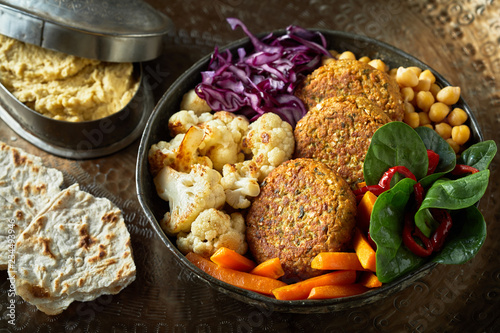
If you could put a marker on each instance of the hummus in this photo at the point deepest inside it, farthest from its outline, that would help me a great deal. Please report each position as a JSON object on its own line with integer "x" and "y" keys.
{"x": 62, "y": 86}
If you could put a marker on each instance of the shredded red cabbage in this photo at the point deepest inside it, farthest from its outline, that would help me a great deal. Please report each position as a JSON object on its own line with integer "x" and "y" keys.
{"x": 264, "y": 80}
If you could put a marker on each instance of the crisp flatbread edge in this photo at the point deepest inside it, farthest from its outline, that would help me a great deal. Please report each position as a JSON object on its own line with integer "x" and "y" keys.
{"x": 26, "y": 186}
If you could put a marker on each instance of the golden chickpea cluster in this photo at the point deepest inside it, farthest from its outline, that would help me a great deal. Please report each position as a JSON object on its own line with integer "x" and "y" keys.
{"x": 425, "y": 102}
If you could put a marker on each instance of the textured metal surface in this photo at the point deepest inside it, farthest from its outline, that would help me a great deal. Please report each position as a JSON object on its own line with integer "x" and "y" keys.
{"x": 457, "y": 38}
{"x": 113, "y": 30}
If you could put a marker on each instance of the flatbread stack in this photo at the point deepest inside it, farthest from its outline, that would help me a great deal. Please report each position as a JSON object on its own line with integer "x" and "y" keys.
{"x": 75, "y": 248}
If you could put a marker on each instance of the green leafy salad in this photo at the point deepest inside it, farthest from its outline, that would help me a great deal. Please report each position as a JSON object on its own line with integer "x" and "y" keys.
{"x": 426, "y": 209}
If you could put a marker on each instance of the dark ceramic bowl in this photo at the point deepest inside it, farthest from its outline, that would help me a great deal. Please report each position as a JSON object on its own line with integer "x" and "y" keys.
{"x": 154, "y": 207}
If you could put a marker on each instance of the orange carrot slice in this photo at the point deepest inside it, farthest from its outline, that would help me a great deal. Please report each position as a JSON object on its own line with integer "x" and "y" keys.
{"x": 361, "y": 185}
{"x": 260, "y": 284}
{"x": 336, "y": 291}
{"x": 337, "y": 261}
{"x": 270, "y": 268}
{"x": 231, "y": 259}
{"x": 369, "y": 280}
{"x": 301, "y": 290}
{"x": 364, "y": 251}
{"x": 365, "y": 208}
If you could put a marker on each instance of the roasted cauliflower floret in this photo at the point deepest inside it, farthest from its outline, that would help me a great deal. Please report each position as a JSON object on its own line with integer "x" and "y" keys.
{"x": 163, "y": 153}
{"x": 222, "y": 141}
{"x": 269, "y": 142}
{"x": 180, "y": 122}
{"x": 237, "y": 125}
{"x": 240, "y": 181}
{"x": 191, "y": 101}
{"x": 211, "y": 230}
{"x": 180, "y": 154}
{"x": 188, "y": 194}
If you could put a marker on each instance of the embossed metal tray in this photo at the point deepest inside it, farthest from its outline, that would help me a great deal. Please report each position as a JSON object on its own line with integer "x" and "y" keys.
{"x": 154, "y": 207}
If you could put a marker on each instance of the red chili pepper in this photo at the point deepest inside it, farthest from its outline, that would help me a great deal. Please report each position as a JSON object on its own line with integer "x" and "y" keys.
{"x": 433, "y": 161}
{"x": 419, "y": 194}
{"x": 385, "y": 181}
{"x": 409, "y": 232}
{"x": 461, "y": 169}
{"x": 442, "y": 231}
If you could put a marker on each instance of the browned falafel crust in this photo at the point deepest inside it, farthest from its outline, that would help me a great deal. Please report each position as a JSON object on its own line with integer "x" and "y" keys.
{"x": 352, "y": 77}
{"x": 304, "y": 208}
{"x": 338, "y": 132}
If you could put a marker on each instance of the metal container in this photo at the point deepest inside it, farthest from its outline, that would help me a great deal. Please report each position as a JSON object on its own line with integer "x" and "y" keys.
{"x": 154, "y": 207}
{"x": 112, "y": 31}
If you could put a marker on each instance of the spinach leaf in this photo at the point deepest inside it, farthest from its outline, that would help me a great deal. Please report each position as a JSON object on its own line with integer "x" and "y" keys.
{"x": 447, "y": 157}
{"x": 467, "y": 237}
{"x": 453, "y": 195}
{"x": 386, "y": 229}
{"x": 479, "y": 155}
{"x": 395, "y": 144}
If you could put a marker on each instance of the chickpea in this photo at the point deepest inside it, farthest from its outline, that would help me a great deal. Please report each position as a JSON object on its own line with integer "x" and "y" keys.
{"x": 405, "y": 77}
{"x": 424, "y": 100}
{"x": 408, "y": 94}
{"x": 427, "y": 74}
{"x": 416, "y": 70}
{"x": 434, "y": 89}
{"x": 412, "y": 119}
{"x": 334, "y": 53}
{"x": 326, "y": 60}
{"x": 424, "y": 118}
{"x": 438, "y": 111}
{"x": 428, "y": 125}
{"x": 408, "y": 107}
{"x": 448, "y": 95}
{"x": 378, "y": 64}
{"x": 460, "y": 134}
{"x": 455, "y": 146}
{"x": 393, "y": 72}
{"x": 443, "y": 129}
{"x": 365, "y": 59}
{"x": 347, "y": 55}
{"x": 423, "y": 85}
{"x": 457, "y": 117}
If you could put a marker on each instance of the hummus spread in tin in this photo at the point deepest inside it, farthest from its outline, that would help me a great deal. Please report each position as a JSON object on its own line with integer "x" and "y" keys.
{"x": 62, "y": 86}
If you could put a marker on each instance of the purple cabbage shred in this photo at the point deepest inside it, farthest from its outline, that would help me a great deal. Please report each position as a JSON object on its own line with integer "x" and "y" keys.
{"x": 264, "y": 80}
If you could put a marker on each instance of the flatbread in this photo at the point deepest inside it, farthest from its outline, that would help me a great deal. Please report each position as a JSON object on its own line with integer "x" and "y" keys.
{"x": 76, "y": 249}
{"x": 26, "y": 186}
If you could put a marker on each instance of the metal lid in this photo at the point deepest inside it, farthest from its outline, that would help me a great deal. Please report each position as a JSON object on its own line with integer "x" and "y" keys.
{"x": 111, "y": 30}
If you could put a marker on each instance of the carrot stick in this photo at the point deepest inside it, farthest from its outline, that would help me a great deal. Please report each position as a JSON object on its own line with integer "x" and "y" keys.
{"x": 365, "y": 208}
{"x": 361, "y": 185}
{"x": 260, "y": 284}
{"x": 270, "y": 268}
{"x": 337, "y": 261}
{"x": 364, "y": 251}
{"x": 301, "y": 290}
{"x": 369, "y": 280}
{"x": 335, "y": 291}
{"x": 231, "y": 259}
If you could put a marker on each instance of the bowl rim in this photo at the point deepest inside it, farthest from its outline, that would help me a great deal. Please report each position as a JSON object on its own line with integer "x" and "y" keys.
{"x": 253, "y": 298}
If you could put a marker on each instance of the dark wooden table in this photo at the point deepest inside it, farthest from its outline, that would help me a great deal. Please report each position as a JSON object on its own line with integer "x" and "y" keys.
{"x": 459, "y": 39}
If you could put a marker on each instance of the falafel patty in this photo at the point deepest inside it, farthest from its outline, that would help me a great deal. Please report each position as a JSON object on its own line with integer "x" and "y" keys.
{"x": 338, "y": 132}
{"x": 352, "y": 77}
{"x": 304, "y": 208}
